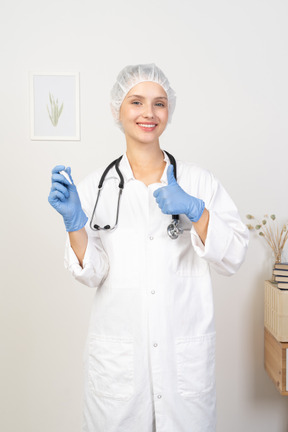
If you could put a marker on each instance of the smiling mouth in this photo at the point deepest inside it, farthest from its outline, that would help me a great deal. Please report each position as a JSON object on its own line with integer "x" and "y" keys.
{"x": 147, "y": 126}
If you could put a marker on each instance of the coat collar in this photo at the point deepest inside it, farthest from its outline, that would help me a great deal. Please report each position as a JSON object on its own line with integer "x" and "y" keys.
{"x": 127, "y": 172}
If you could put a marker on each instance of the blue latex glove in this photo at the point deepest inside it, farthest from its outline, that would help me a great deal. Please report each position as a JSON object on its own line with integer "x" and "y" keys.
{"x": 173, "y": 200}
{"x": 65, "y": 199}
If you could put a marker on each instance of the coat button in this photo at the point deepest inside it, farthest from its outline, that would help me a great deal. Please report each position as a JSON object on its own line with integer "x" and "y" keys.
{"x": 159, "y": 396}
{"x": 153, "y": 292}
{"x": 155, "y": 345}
{"x": 151, "y": 238}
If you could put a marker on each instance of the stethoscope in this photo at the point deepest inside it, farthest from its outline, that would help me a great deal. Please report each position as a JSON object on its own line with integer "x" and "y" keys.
{"x": 173, "y": 229}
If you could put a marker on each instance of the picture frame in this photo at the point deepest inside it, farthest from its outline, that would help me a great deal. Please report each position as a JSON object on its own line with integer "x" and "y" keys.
{"x": 54, "y": 106}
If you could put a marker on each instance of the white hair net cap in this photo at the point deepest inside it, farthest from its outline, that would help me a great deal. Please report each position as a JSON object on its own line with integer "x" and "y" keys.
{"x": 133, "y": 75}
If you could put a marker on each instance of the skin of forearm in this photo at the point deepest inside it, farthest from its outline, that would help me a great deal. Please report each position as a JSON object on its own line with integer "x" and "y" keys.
{"x": 79, "y": 241}
{"x": 201, "y": 226}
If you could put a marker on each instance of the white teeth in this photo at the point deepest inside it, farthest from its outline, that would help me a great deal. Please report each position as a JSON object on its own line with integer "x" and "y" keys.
{"x": 147, "y": 126}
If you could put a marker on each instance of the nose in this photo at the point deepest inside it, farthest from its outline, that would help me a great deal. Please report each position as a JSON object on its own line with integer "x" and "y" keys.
{"x": 148, "y": 111}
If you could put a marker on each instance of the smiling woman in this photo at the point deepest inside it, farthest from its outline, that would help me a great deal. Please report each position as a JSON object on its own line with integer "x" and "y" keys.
{"x": 150, "y": 356}
{"x": 144, "y": 114}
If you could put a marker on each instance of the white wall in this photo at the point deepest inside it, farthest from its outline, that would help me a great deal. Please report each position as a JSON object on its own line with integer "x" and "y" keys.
{"x": 227, "y": 61}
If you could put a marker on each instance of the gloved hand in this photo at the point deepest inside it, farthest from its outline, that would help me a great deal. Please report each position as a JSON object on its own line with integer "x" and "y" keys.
{"x": 64, "y": 198}
{"x": 173, "y": 200}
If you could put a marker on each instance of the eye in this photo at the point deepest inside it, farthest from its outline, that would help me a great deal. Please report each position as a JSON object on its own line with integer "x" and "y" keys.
{"x": 160, "y": 104}
{"x": 136, "y": 103}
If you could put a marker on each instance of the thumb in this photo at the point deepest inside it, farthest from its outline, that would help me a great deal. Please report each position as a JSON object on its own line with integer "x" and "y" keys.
{"x": 68, "y": 171}
{"x": 170, "y": 175}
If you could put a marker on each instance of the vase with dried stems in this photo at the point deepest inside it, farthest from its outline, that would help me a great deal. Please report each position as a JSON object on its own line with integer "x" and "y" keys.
{"x": 269, "y": 229}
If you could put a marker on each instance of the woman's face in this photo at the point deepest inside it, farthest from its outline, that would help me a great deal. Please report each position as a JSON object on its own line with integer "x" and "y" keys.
{"x": 144, "y": 112}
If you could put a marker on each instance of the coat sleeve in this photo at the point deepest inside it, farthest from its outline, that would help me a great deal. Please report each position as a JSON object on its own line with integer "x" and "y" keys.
{"x": 227, "y": 236}
{"x": 95, "y": 263}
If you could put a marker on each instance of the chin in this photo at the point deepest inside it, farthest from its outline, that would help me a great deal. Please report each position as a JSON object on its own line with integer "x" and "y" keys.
{"x": 149, "y": 139}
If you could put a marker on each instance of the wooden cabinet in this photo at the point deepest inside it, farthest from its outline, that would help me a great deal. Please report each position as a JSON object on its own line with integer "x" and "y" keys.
{"x": 276, "y": 335}
{"x": 276, "y": 354}
{"x": 276, "y": 311}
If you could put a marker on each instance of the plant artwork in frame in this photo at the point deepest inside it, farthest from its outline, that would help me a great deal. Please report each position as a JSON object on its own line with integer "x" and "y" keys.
{"x": 55, "y": 106}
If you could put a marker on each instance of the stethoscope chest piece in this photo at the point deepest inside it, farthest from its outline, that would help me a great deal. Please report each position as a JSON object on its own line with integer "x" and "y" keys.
{"x": 174, "y": 230}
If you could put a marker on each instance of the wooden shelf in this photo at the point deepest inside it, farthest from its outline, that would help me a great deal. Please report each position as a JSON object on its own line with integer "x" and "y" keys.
{"x": 275, "y": 361}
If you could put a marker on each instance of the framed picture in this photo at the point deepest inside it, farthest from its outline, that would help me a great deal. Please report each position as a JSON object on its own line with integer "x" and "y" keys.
{"x": 54, "y": 106}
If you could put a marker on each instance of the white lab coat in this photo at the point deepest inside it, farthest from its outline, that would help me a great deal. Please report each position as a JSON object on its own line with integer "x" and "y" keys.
{"x": 150, "y": 356}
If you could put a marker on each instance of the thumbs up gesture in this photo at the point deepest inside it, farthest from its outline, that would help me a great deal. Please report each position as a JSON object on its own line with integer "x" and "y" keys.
{"x": 172, "y": 199}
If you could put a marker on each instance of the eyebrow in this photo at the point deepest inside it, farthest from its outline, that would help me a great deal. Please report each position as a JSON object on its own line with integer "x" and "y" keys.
{"x": 143, "y": 97}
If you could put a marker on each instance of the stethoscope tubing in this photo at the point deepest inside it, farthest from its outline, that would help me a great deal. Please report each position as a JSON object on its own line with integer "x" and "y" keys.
{"x": 116, "y": 162}
{"x": 173, "y": 228}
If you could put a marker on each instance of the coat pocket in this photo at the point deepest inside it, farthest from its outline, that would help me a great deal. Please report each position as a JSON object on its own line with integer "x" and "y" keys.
{"x": 195, "y": 365}
{"x": 184, "y": 260}
{"x": 111, "y": 367}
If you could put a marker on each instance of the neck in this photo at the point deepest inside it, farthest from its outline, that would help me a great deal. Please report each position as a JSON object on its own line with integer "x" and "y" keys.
{"x": 146, "y": 161}
{"x": 144, "y": 155}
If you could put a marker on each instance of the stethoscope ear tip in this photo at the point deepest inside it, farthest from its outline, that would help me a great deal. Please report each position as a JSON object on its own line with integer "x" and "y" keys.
{"x": 97, "y": 227}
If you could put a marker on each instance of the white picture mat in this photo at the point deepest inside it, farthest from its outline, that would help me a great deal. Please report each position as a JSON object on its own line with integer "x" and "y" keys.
{"x": 65, "y": 88}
